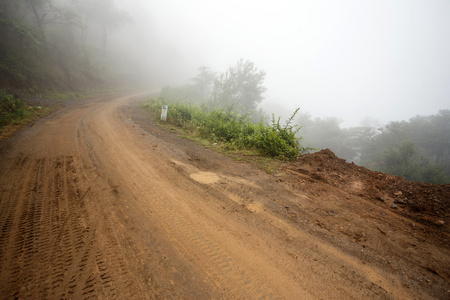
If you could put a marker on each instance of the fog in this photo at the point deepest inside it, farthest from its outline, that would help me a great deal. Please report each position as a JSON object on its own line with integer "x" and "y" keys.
{"x": 383, "y": 60}
{"x": 343, "y": 63}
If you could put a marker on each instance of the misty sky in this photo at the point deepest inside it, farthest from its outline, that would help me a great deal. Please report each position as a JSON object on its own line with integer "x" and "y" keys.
{"x": 387, "y": 60}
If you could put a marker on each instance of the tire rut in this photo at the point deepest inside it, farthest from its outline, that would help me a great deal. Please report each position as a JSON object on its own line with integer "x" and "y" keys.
{"x": 219, "y": 267}
{"x": 48, "y": 244}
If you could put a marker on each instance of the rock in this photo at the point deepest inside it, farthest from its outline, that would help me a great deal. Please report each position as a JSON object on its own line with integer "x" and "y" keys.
{"x": 399, "y": 193}
{"x": 399, "y": 201}
{"x": 394, "y": 206}
{"x": 332, "y": 213}
{"x": 382, "y": 199}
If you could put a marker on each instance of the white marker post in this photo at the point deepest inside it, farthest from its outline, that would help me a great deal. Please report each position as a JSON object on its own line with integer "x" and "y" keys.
{"x": 164, "y": 112}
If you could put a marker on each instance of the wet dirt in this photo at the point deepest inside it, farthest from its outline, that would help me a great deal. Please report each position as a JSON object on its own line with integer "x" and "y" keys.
{"x": 99, "y": 202}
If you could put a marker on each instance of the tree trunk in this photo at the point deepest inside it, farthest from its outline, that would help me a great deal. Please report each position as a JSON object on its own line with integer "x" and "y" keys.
{"x": 38, "y": 20}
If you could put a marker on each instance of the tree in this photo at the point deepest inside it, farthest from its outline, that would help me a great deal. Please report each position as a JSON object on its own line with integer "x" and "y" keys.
{"x": 327, "y": 133}
{"x": 204, "y": 82}
{"x": 37, "y": 7}
{"x": 432, "y": 134}
{"x": 107, "y": 16}
{"x": 240, "y": 88}
{"x": 429, "y": 134}
{"x": 355, "y": 138}
{"x": 406, "y": 161}
{"x": 183, "y": 93}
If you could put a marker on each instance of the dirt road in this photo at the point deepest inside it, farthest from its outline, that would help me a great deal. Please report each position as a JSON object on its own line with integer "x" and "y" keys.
{"x": 95, "y": 206}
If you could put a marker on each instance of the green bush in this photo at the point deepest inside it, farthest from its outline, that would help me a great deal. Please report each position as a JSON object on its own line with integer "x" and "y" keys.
{"x": 180, "y": 115}
{"x": 222, "y": 126}
{"x": 11, "y": 108}
{"x": 278, "y": 141}
{"x": 233, "y": 129}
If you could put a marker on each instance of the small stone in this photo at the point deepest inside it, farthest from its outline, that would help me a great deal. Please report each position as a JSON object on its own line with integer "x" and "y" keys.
{"x": 399, "y": 201}
{"x": 394, "y": 206}
{"x": 399, "y": 193}
{"x": 382, "y": 199}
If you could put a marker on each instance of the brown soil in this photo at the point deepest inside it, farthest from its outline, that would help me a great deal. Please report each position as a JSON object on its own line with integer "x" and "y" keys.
{"x": 422, "y": 202}
{"x": 98, "y": 201}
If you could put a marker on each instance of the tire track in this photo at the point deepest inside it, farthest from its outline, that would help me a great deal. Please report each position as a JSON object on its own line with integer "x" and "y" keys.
{"x": 48, "y": 243}
{"x": 218, "y": 265}
{"x": 17, "y": 237}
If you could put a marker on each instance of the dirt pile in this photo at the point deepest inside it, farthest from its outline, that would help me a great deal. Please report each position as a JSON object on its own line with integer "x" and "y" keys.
{"x": 421, "y": 202}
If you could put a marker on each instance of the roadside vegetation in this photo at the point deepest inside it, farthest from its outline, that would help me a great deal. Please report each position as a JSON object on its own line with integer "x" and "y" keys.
{"x": 55, "y": 47}
{"x": 232, "y": 130}
{"x": 14, "y": 112}
{"x": 56, "y": 50}
{"x": 224, "y": 110}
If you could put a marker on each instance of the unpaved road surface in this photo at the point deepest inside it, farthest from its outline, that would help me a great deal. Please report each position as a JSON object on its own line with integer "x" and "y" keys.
{"x": 98, "y": 202}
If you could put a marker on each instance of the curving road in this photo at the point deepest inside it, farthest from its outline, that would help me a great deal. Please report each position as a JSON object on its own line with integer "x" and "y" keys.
{"x": 92, "y": 206}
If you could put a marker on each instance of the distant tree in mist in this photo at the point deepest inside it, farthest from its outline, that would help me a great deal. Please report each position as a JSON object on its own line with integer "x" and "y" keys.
{"x": 430, "y": 134}
{"x": 203, "y": 82}
{"x": 205, "y": 88}
{"x": 418, "y": 149}
{"x": 37, "y": 6}
{"x": 326, "y": 133}
{"x": 105, "y": 15}
{"x": 240, "y": 88}
{"x": 54, "y": 42}
{"x": 406, "y": 161}
{"x": 197, "y": 90}
{"x": 187, "y": 93}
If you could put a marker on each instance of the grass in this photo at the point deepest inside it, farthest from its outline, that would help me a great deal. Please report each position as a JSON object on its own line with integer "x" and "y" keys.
{"x": 14, "y": 113}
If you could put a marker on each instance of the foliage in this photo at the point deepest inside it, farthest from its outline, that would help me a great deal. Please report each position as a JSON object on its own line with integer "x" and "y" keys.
{"x": 417, "y": 149}
{"x": 53, "y": 45}
{"x": 195, "y": 92}
{"x": 405, "y": 161}
{"x": 14, "y": 111}
{"x": 241, "y": 87}
{"x": 25, "y": 33}
{"x": 203, "y": 82}
{"x": 11, "y": 108}
{"x": 429, "y": 136}
{"x": 233, "y": 129}
{"x": 277, "y": 140}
